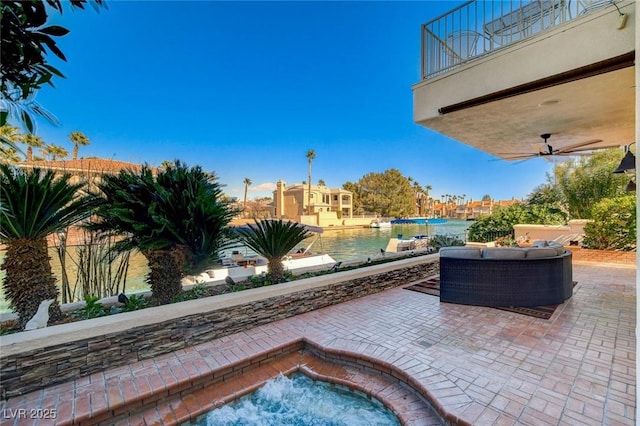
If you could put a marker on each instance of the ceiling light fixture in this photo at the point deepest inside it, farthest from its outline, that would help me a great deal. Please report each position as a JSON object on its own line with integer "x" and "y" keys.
{"x": 622, "y": 17}
{"x": 631, "y": 186}
{"x": 628, "y": 162}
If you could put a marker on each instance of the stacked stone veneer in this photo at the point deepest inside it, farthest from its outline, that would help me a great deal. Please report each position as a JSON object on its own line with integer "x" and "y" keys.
{"x": 28, "y": 364}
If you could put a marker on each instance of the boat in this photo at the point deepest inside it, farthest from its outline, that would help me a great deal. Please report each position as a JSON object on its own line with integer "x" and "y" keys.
{"x": 380, "y": 224}
{"x": 415, "y": 242}
{"x": 419, "y": 221}
{"x": 242, "y": 263}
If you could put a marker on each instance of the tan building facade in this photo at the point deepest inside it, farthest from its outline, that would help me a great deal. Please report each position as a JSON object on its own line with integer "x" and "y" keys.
{"x": 323, "y": 206}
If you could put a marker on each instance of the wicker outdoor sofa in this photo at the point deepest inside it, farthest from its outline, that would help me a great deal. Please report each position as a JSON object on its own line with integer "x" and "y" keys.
{"x": 505, "y": 276}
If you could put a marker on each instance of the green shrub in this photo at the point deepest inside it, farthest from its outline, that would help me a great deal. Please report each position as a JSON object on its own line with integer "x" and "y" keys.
{"x": 500, "y": 222}
{"x": 264, "y": 279}
{"x": 196, "y": 292}
{"x": 259, "y": 280}
{"x": 135, "y": 303}
{"x": 506, "y": 241}
{"x": 613, "y": 226}
{"x": 91, "y": 309}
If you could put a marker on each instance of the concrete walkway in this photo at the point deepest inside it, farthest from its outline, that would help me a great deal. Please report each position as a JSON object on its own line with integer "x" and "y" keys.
{"x": 480, "y": 365}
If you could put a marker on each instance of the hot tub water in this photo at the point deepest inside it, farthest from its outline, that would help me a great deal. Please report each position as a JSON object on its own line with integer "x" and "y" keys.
{"x": 301, "y": 401}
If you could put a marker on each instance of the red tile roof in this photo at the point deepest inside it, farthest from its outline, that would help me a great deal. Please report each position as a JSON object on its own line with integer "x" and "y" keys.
{"x": 98, "y": 165}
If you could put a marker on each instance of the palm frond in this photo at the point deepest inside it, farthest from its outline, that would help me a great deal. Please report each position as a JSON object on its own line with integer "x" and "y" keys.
{"x": 181, "y": 206}
{"x": 273, "y": 239}
{"x": 37, "y": 203}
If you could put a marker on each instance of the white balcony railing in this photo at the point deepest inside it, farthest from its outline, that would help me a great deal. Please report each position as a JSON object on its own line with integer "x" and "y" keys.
{"x": 479, "y": 27}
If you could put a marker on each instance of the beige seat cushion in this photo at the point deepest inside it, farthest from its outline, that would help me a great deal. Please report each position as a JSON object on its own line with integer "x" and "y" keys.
{"x": 503, "y": 253}
{"x": 461, "y": 252}
{"x": 537, "y": 253}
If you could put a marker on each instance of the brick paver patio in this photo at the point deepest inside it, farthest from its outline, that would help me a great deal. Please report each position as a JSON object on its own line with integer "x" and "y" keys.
{"x": 480, "y": 365}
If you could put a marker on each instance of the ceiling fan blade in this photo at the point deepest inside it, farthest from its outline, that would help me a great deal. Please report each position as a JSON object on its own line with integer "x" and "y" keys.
{"x": 517, "y": 153}
{"x": 521, "y": 161}
{"x": 595, "y": 148}
{"x": 578, "y": 154}
{"x": 570, "y": 154}
{"x": 577, "y": 145}
{"x": 519, "y": 156}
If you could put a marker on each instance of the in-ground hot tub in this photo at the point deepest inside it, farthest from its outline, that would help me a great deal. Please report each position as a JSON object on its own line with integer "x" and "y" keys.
{"x": 300, "y": 400}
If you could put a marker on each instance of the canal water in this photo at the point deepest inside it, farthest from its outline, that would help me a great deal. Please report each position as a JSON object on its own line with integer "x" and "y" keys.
{"x": 341, "y": 244}
{"x": 361, "y": 243}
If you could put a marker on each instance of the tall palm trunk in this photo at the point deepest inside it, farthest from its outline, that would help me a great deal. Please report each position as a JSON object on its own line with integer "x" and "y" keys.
{"x": 276, "y": 269}
{"x": 165, "y": 274}
{"x": 244, "y": 206}
{"x": 25, "y": 284}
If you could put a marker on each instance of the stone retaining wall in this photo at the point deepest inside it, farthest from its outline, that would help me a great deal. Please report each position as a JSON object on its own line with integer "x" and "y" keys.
{"x": 26, "y": 364}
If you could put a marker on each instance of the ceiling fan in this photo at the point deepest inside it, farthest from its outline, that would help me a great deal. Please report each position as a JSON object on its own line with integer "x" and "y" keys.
{"x": 546, "y": 150}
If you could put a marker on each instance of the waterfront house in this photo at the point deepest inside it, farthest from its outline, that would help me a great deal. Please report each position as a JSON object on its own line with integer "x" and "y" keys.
{"x": 470, "y": 209}
{"x": 324, "y": 206}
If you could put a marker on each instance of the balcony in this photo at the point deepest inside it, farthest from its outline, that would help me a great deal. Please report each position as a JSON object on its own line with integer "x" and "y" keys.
{"x": 477, "y": 28}
{"x": 498, "y": 74}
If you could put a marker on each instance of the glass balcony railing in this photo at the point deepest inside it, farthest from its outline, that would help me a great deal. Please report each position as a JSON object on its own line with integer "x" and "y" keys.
{"x": 479, "y": 27}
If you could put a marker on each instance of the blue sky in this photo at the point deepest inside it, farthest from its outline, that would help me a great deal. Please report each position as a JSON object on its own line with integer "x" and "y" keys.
{"x": 245, "y": 89}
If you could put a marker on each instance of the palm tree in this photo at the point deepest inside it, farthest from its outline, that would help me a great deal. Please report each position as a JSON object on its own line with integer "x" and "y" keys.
{"x": 422, "y": 196}
{"x": 246, "y": 182}
{"x": 429, "y": 203}
{"x": 9, "y": 155}
{"x": 56, "y": 151}
{"x": 166, "y": 164}
{"x": 78, "y": 139}
{"x": 35, "y": 205}
{"x": 10, "y": 136}
{"x": 273, "y": 239}
{"x": 311, "y": 155}
{"x": 177, "y": 219}
{"x": 11, "y": 133}
{"x": 32, "y": 141}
